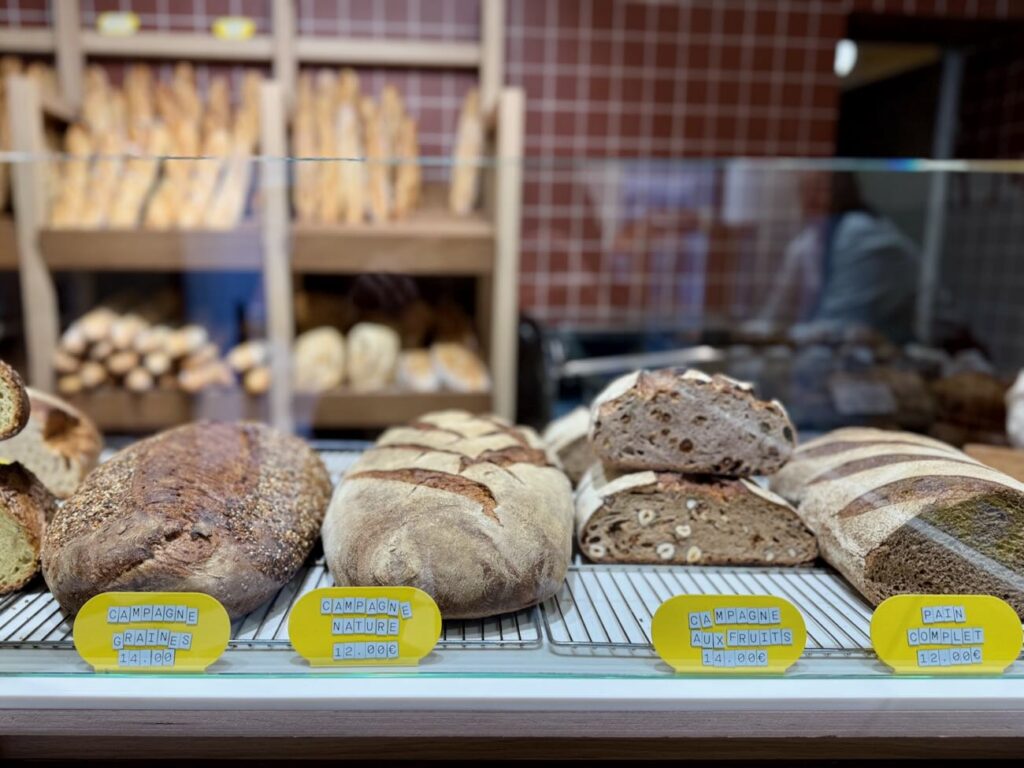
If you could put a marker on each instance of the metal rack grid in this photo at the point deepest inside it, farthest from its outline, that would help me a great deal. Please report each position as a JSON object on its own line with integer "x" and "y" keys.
{"x": 607, "y": 609}
{"x": 32, "y": 619}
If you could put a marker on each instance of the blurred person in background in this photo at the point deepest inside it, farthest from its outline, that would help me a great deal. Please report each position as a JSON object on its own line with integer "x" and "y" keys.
{"x": 848, "y": 266}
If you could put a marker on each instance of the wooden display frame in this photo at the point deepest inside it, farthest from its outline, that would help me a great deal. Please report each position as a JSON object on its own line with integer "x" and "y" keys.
{"x": 484, "y": 246}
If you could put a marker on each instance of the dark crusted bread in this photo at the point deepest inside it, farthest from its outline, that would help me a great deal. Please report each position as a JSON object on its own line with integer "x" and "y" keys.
{"x": 896, "y": 512}
{"x": 24, "y": 506}
{"x": 14, "y": 406}
{"x": 468, "y": 508}
{"x": 231, "y": 510}
{"x": 665, "y": 517}
{"x": 689, "y": 422}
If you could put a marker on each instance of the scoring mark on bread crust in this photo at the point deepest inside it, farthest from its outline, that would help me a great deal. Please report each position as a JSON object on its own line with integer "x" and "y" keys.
{"x": 442, "y": 481}
{"x": 874, "y": 462}
{"x": 842, "y": 446}
{"x": 942, "y": 489}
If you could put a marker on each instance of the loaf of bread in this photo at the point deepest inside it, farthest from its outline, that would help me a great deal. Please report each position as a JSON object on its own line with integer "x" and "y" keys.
{"x": 59, "y": 444}
{"x": 895, "y": 512}
{"x": 459, "y": 368}
{"x": 231, "y": 510}
{"x": 372, "y": 356}
{"x": 689, "y": 422}
{"x": 25, "y": 506}
{"x": 1015, "y": 412}
{"x": 318, "y": 360}
{"x": 566, "y": 438}
{"x": 469, "y": 147}
{"x": 665, "y": 517}
{"x": 14, "y": 403}
{"x": 416, "y": 371}
{"x": 467, "y": 508}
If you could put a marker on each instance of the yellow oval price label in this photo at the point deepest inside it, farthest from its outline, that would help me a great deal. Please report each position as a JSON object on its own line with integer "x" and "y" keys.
{"x": 117, "y": 23}
{"x": 233, "y": 28}
{"x": 946, "y": 634}
{"x": 723, "y": 634}
{"x": 151, "y": 631}
{"x": 363, "y": 626}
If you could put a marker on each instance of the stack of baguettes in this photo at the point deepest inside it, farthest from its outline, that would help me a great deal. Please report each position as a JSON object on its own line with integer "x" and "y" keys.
{"x": 105, "y": 348}
{"x": 113, "y": 175}
{"x": 45, "y": 80}
{"x": 675, "y": 453}
{"x": 335, "y": 119}
{"x": 896, "y": 512}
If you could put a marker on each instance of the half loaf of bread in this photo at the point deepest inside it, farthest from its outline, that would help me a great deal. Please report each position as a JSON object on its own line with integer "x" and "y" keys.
{"x": 24, "y": 506}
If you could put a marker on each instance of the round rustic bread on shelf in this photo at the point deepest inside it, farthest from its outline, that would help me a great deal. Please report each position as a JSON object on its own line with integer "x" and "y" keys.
{"x": 231, "y": 510}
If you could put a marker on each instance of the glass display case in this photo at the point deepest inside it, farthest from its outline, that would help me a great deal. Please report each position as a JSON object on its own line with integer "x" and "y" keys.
{"x": 390, "y": 313}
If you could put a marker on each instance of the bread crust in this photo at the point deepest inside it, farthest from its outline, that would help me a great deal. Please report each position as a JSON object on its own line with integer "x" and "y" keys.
{"x": 469, "y": 509}
{"x": 231, "y": 510}
{"x": 13, "y": 401}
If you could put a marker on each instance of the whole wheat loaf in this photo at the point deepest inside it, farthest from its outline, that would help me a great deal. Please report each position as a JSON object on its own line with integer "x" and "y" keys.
{"x": 896, "y": 512}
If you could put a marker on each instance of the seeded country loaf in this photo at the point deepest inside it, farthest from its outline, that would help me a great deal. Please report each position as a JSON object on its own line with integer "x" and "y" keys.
{"x": 689, "y": 422}
{"x": 24, "y": 506}
{"x": 59, "y": 445}
{"x": 567, "y": 439}
{"x": 666, "y": 517}
{"x": 231, "y": 510}
{"x": 468, "y": 508}
{"x": 896, "y": 513}
{"x": 14, "y": 405}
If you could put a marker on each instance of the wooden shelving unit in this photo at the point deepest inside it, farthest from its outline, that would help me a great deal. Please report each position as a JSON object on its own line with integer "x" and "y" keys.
{"x": 142, "y": 250}
{"x": 484, "y": 246}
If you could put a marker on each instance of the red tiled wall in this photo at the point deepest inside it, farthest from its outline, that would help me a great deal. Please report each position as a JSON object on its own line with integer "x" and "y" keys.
{"x": 609, "y": 78}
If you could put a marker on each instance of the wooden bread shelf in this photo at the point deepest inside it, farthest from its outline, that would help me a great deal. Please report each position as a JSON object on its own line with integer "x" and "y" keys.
{"x": 120, "y": 411}
{"x": 343, "y": 409}
{"x": 145, "y": 250}
{"x": 427, "y": 243}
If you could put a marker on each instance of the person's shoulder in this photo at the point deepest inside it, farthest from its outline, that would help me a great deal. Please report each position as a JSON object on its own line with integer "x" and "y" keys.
{"x": 862, "y": 230}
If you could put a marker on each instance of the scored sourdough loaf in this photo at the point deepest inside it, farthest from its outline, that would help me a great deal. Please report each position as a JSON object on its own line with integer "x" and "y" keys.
{"x": 689, "y": 422}
{"x": 468, "y": 508}
{"x": 665, "y": 517}
{"x": 566, "y": 438}
{"x": 25, "y": 504}
{"x": 231, "y": 510}
{"x": 895, "y": 512}
{"x": 59, "y": 444}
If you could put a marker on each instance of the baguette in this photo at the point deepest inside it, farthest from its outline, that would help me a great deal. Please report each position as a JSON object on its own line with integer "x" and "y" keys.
{"x": 689, "y": 422}
{"x": 469, "y": 146}
{"x": 895, "y": 512}
{"x": 231, "y": 510}
{"x": 469, "y": 509}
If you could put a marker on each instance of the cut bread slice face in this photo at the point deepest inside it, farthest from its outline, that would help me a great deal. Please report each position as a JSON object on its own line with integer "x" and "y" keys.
{"x": 59, "y": 445}
{"x": 14, "y": 405}
{"x": 24, "y": 507}
{"x": 689, "y": 422}
{"x": 665, "y": 517}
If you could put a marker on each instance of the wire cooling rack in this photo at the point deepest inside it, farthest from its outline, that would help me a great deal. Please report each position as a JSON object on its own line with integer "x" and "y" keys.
{"x": 602, "y": 609}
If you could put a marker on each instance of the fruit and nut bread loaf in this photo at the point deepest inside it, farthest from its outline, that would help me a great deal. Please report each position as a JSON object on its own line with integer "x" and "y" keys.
{"x": 468, "y": 508}
{"x": 666, "y": 517}
{"x": 231, "y": 510}
{"x": 566, "y": 438}
{"x": 59, "y": 444}
{"x": 689, "y": 422}
{"x": 895, "y": 512}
